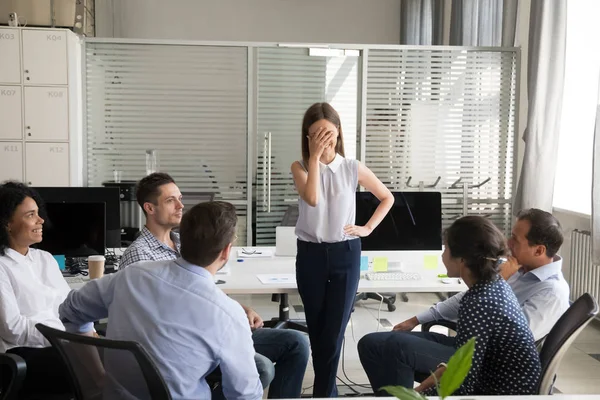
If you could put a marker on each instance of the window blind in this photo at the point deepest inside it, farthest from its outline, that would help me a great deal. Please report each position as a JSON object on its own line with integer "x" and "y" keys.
{"x": 444, "y": 117}
{"x": 187, "y": 102}
{"x": 289, "y": 80}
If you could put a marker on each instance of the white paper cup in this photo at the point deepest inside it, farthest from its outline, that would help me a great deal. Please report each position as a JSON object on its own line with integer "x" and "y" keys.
{"x": 96, "y": 266}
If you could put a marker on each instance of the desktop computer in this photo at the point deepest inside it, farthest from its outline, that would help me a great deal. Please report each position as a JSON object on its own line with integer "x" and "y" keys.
{"x": 83, "y": 195}
{"x": 413, "y": 224}
{"x": 74, "y": 229}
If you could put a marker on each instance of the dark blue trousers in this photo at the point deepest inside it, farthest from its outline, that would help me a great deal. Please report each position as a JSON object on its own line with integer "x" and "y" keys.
{"x": 327, "y": 275}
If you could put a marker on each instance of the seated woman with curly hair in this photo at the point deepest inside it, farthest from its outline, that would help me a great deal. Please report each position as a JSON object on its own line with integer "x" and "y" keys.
{"x": 32, "y": 287}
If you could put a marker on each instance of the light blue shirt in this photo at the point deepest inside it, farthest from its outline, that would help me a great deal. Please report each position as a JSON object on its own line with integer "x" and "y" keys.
{"x": 542, "y": 293}
{"x": 336, "y": 206}
{"x": 180, "y": 317}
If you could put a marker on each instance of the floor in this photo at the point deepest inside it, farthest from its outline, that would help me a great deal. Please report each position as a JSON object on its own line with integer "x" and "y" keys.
{"x": 579, "y": 372}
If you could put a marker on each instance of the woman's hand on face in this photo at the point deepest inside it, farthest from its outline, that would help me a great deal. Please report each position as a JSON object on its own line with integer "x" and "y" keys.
{"x": 319, "y": 141}
{"x": 357, "y": 230}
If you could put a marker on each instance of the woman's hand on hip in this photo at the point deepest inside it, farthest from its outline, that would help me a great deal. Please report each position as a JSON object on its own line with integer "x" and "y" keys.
{"x": 357, "y": 230}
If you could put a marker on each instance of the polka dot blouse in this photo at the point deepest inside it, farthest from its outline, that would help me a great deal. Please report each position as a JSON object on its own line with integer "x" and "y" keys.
{"x": 505, "y": 361}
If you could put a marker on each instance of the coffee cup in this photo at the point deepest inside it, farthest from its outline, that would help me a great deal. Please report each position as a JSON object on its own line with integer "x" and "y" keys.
{"x": 96, "y": 266}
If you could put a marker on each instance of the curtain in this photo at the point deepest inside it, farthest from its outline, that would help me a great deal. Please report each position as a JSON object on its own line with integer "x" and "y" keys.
{"x": 421, "y": 22}
{"x": 545, "y": 80}
{"x": 483, "y": 22}
{"x": 596, "y": 187}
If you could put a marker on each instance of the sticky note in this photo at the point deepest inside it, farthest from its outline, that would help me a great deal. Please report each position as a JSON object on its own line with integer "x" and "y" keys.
{"x": 61, "y": 262}
{"x": 380, "y": 264}
{"x": 364, "y": 263}
{"x": 430, "y": 262}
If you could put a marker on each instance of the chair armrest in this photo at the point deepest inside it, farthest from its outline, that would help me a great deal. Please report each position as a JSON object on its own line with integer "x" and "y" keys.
{"x": 18, "y": 369}
{"x": 448, "y": 324}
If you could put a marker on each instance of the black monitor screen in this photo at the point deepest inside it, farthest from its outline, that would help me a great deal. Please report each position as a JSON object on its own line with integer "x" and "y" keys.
{"x": 74, "y": 229}
{"x": 413, "y": 223}
{"x": 106, "y": 195}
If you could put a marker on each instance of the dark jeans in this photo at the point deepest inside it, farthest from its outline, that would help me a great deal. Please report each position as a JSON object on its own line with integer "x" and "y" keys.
{"x": 46, "y": 374}
{"x": 288, "y": 350}
{"x": 327, "y": 275}
{"x": 401, "y": 358}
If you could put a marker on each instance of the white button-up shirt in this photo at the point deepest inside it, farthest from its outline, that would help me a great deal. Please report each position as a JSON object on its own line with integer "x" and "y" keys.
{"x": 31, "y": 289}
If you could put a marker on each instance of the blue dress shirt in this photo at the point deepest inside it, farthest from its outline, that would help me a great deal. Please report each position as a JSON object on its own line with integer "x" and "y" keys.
{"x": 542, "y": 293}
{"x": 180, "y": 317}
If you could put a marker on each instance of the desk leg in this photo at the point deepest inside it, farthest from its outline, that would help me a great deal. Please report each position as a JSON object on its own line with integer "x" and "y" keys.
{"x": 284, "y": 321}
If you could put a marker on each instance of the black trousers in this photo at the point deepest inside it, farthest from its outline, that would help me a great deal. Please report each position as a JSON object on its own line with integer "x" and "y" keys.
{"x": 327, "y": 275}
{"x": 47, "y": 374}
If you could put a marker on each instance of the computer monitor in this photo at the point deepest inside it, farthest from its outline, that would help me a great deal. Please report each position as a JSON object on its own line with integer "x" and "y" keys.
{"x": 74, "y": 229}
{"x": 413, "y": 223}
{"x": 107, "y": 195}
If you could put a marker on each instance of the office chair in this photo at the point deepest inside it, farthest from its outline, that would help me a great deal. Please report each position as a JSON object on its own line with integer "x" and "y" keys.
{"x": 554, "y": 346}
{"x": 561, "y": 337}
{"x": 426, "y": 327}
{"x": 107, "y": 369}
{"x": 12, "y": 370}
{"x": 388, "y": 298}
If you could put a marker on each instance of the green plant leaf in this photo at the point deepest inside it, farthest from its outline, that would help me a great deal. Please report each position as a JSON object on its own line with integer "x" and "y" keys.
{"x": 403, "y": 393}
{"x": 457, "y": 370}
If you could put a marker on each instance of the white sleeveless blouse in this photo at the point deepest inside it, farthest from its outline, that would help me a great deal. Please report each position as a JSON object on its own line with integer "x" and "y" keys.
{"x": 336, "y": 206}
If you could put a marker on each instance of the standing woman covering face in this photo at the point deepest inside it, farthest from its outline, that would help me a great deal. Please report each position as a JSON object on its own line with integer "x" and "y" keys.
{"x": 328, "y": 259}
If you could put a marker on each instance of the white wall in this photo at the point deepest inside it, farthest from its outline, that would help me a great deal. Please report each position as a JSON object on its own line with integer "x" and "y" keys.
{"x": 307, "y": 21}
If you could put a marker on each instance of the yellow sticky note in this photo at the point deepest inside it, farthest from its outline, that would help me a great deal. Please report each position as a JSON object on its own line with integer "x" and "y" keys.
{"x": 430, "y": 262}
{"x": 380, "y": 264}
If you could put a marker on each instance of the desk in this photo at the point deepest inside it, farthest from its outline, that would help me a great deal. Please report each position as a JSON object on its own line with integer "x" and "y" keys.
{"x": 243, "y": 279}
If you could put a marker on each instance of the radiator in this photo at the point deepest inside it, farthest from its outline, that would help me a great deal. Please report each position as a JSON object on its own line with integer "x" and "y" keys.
{"x": 584, "y": 277}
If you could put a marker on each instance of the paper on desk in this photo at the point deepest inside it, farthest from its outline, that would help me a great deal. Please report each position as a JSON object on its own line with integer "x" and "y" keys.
{"x": 254, "y": 253}
{"x": 364, "y": 263}
{"x": 430, "y": 262}
{"x": 380, "y": 264}
{"x": 274, "y": 279}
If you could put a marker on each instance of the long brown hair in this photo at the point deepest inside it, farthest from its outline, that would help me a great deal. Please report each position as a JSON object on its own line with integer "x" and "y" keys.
{"x": 317, "y": 112}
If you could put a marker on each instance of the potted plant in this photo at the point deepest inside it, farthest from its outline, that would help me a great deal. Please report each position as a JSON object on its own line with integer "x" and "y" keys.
{"x": 457, "y": 370}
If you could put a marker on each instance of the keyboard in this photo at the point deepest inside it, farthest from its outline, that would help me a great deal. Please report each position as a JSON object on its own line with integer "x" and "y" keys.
{"x": 76, "y": 279}
{"x": 393, "y": 276}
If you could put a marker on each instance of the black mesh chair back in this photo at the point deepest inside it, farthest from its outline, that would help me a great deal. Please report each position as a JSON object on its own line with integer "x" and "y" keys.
{"x": 12, "y": 374}
{"x": 107, "y": 369}
{"x": 561, "y": 337}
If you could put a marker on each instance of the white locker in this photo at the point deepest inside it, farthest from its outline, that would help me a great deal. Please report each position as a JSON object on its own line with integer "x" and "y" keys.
{"x": 44, "y": 57}
{"x": 47, "y": 164}
{"x": 46, "y": 113}
{"x": 10, "y": 55}
{"x": 10, "y": 113}
{"x": 11, "y": 161}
